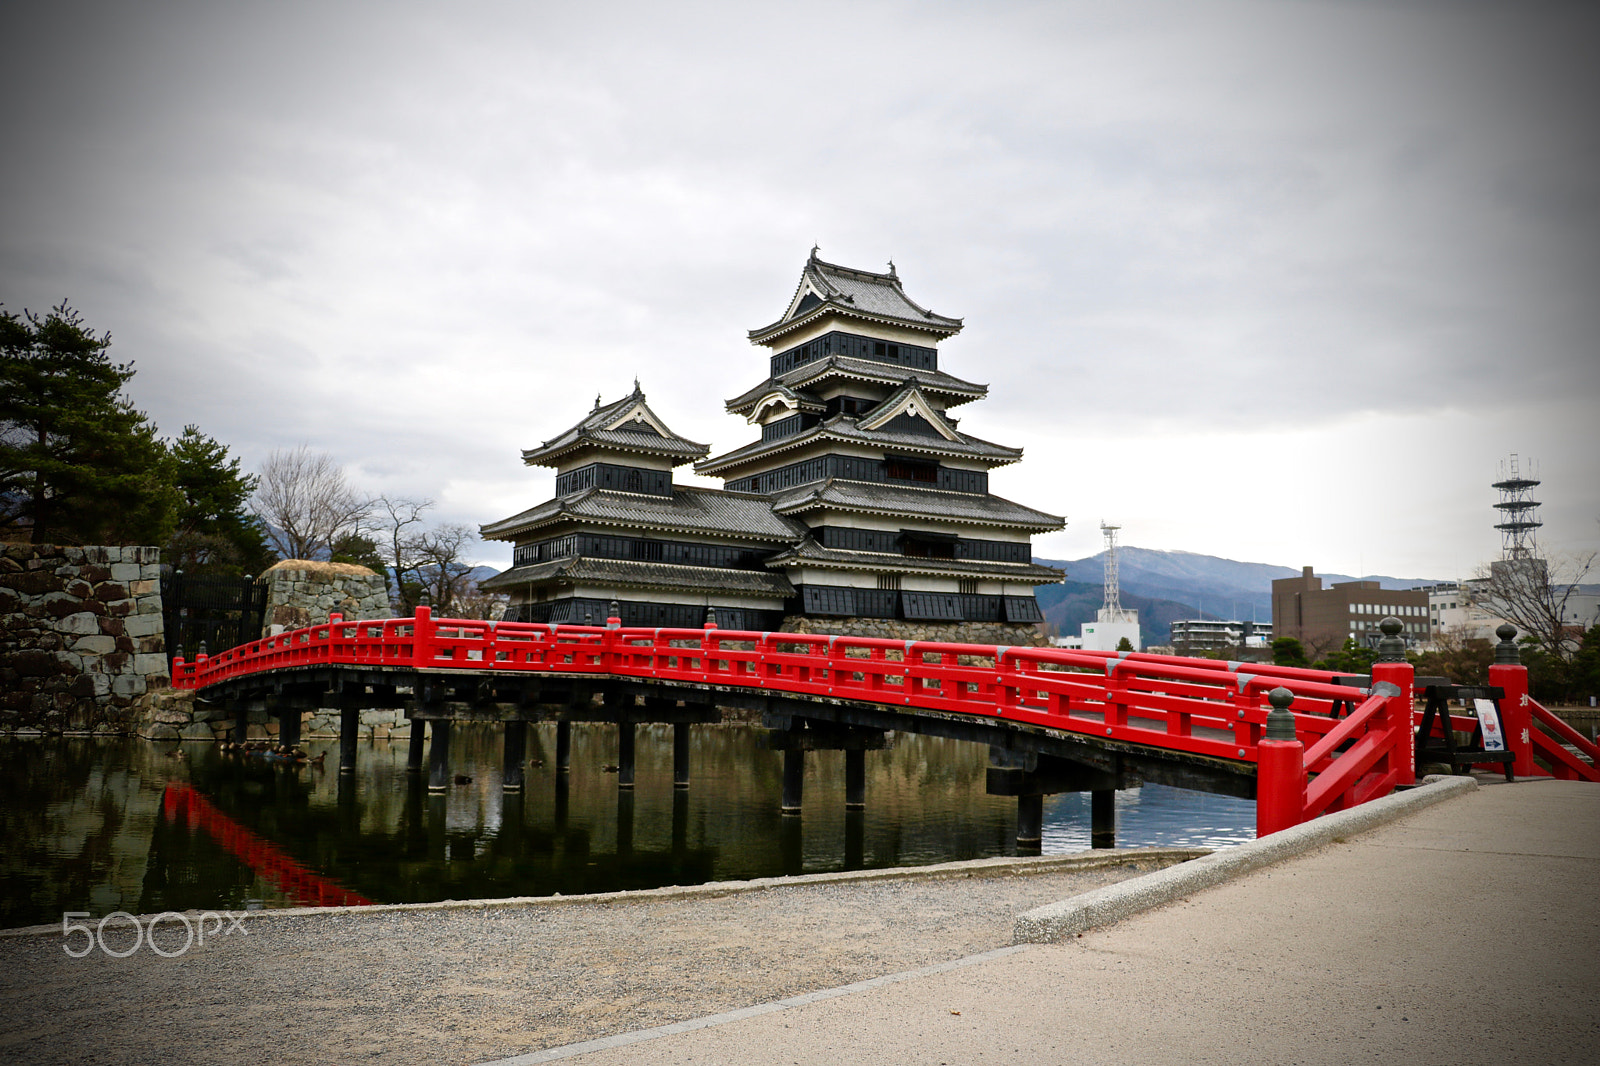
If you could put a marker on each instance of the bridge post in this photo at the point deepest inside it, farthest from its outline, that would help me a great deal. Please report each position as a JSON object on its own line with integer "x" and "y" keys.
{"x": 417, "y": 743}
{"x": 794, "y": 776}
{"x": 855, "y": 839}
{"x": 680, "y": 755}
{"x": 1280, "y": 769}
{"x": 1399, "y": 713}
{"x": 625, "y": 754}
{"x": 516, "y": 750}
{"x": 241, "y": 721}
{"x": 855, "y": 779}
{"x": 1030, "y": 823}
{"x": 349, "y": 727}
{"x": 289, "y": 725}
{"x": 1509, "y": 673}
{"x": 439, "y": 756}
{"x": 1103, "y": 818}
{"x": 563, "y": 746}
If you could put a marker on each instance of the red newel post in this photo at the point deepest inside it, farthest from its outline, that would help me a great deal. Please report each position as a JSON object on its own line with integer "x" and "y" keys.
{"x": 1399, "y": 711}
{"x": 422, "y": 628}
{"x": 1280, "y": 769}
{"x": 1516, "y": 716}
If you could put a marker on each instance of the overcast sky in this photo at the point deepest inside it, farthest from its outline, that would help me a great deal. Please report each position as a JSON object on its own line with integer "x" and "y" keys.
{"x": 1282, "y": 282}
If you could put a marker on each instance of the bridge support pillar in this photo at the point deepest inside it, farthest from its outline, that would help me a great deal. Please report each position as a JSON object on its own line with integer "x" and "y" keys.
{"x": 1103, "y": 818}
{"x": 625, "y": 754}
{"x": 855, "y": 780}
{"x": 794, "y": 775}
{"x": 241, "y": 722}
{"x": 349, "y": 726}
{"x": 289, "y": 726}
{"x": 516, "y": 750}
{"x": 1030, "y": 823}
{"x": 417, "y": 744}
{"x": 439, "y": 755}
{"x": 563, "y": 747}
{"x": 680, "y": 755}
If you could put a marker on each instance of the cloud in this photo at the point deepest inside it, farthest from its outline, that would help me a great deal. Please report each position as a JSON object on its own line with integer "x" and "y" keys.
{"x": 1292, "y": 244}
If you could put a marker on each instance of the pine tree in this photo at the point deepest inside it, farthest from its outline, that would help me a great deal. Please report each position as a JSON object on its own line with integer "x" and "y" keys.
{"x": 215, "y": 533}
{"x": 78, "y": 464}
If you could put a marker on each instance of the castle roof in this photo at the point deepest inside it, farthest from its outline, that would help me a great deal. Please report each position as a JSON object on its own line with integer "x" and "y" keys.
{"x": 626, "y": 426}
{"x": 950, "y": 389}
{"x": 830, "y": 289}
{"x": 906, "y": 502}
{"x": 907, "y": 438}
{"x": 655, "y": 577}
{"x": 808, "y": 552}
{"x": 690, "y": 509}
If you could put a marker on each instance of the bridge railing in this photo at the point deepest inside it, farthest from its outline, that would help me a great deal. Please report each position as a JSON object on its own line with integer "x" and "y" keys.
{"x": 1198, "y": 706}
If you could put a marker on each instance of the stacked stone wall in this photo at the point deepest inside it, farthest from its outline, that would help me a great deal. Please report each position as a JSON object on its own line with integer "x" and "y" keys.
{"x": 80, "y": 636}
{"x": 1011, "y": 634}
{"x": 302, "y": 592}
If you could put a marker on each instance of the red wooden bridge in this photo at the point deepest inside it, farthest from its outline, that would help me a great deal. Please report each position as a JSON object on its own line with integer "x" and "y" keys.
{"x": 1301, "y": 742}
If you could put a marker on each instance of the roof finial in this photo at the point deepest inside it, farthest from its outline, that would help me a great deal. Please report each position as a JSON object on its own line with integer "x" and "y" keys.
{"x": 636, "y": 390}
{"x": 892, "y": 274}
{"x": 597, "y": 401}
{"x": 815, "y": 248}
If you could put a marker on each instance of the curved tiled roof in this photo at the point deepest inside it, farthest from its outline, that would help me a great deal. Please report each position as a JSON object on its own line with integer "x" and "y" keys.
{"x": 953, "y": 390}
{"x": 689, "y": 509}
{"x": 638, "y": 435}
{"x": 843, "y": 428}
{"x": 630, "y": 573}
{"x": 811, "y": 553}
{"x": 842, "y": 290}
{"x": 902, "y": 501}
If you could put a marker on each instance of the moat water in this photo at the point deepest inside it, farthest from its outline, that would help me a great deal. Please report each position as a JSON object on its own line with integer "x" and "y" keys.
{"x": 110, "y": 824}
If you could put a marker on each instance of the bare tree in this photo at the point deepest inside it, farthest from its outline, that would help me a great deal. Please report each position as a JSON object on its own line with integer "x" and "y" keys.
{"x": 392, "y": 523}
{"x": 1532, "y": 595}
{"x": 305, "y": 502}
{"x": 443, "y": 572}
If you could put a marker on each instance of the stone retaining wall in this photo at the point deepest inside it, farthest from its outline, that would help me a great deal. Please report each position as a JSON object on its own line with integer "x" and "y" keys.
{"x": 1011, "y": 634}
{"x": 302, "y": 592}
{"x": 176, "y": 715}
{"x": 80, "y": 636}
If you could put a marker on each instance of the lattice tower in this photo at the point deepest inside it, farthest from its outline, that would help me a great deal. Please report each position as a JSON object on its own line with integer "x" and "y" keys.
{"x": 1113, "y": 610}
{"x": 1518, "y": 508}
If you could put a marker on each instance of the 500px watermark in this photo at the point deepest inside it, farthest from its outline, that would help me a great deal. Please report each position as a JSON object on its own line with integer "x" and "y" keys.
{"x": 195, "y": 932}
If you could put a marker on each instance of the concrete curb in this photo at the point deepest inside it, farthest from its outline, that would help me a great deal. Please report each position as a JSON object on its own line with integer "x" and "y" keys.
{"x": 998, "y": 866}
{"x": 1103, "y": 906}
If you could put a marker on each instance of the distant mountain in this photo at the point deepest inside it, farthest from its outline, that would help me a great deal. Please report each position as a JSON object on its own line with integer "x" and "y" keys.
{"x": 1176, "y": 584}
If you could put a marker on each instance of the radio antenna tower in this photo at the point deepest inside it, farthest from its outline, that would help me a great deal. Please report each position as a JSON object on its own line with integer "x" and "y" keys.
{"x": 1113, "y": 610}
{"x": 1518, "y": 509}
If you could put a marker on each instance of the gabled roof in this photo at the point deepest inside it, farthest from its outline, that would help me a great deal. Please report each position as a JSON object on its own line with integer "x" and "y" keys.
{"x": 690, "y": 509}
{"x": 626, "y": 426}
{"x": 809, "y": 552}
{"x": 629, "y": 573}
{"x": 846, "y": 428}
{"x": 908, "y": 403}
{"x": 952, "y": 390}
{"x": 831, "y": 289}
{"x": 904, "y": 501}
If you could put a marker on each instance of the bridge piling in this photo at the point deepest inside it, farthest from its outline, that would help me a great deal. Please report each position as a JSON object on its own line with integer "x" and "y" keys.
{"x": 625, "y": 755}
{"x": 289, "y": 725}
{"x": 241, "y": 721}
{"x": 1030, "y": 823}
{"x": 563, "y": 747}
{"x": 794, "y": 773}
{"x": 418, "y": 740}
{"x": 855, "y": 779}
{"x": 680, "y": 755}
{"x": 439, "y": 756}
{"x": 349, "y": 727}
{"x": 1103, "y": 818}
{"x": 516, "y": 749}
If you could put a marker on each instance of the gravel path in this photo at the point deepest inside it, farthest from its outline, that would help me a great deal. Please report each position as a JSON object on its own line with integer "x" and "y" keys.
{"x": 462, "y": 985}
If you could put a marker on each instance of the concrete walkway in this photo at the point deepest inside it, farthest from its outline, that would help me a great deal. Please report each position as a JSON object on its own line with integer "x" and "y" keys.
{"x": 1461, "y": 933}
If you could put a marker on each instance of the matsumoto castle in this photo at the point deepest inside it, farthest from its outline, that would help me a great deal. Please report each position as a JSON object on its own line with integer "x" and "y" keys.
{"x": 861, "y": 509}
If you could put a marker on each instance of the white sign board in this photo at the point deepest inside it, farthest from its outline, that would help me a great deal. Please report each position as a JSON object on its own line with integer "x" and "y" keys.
{"x": 1489, "y": 718}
